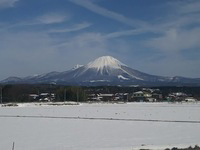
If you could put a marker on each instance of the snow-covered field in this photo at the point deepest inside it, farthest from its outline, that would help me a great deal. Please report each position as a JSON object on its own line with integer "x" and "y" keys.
{"x": 86, "y": 134}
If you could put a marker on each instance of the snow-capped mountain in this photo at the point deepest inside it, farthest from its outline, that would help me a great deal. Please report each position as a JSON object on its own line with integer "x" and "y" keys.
{"x": 109, "y": 69}
{"x": 105, "y": 70}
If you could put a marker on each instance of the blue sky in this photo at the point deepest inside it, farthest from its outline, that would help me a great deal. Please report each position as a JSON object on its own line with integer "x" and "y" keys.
{"x": 160, "y": 37}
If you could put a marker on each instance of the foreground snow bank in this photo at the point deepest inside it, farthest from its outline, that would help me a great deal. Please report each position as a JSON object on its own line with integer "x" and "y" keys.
{"x": 80, "y": 134}
{"x": 39, "y": 104}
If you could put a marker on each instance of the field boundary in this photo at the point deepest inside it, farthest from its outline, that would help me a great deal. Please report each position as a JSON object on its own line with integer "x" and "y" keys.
{"x": 105, "y": 119}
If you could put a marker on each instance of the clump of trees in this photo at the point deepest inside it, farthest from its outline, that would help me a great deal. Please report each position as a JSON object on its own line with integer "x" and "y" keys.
{"x": 196, "y": 147}
{"x": 71, "y": 94}
{"x": 14, "y": 93}
{"x": 21, "y": 92}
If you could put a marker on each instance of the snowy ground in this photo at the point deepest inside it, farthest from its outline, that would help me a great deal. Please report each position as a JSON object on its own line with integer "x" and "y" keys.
{"x": 80, "y": 134}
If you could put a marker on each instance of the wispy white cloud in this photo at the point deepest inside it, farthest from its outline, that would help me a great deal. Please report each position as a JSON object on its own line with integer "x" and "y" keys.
{"x": 140, "y": 27}
{"x": 45, "y": 19}
{"x": 90, "y": 45}
{"x": 174, "y": 65}
{"x": 175, "y": 40}
{"x": 75, "y": 27}
{"x": 51, "y": 18}
{"x": 179, "y": 31}
{"x": 123, "y": 33}
{"x": 108, "y": 13}
{"x": 192, "y": 6}
{"x": 90, "y": 41}
{"x": 37, "y": 52}
{"x": 26, "y": 50}
{"x": 7, "y": 3}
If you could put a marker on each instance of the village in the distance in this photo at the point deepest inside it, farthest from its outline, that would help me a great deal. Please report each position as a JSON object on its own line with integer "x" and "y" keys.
{"x": 13, "y": 94}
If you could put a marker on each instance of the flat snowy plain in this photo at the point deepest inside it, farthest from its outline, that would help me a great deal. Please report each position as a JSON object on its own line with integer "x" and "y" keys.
{"x": 81, "y": 134}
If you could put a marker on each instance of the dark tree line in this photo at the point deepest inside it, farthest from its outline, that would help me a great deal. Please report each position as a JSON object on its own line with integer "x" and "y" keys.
{"x": 20, "y": 93}
{"x": 196, "y": 147}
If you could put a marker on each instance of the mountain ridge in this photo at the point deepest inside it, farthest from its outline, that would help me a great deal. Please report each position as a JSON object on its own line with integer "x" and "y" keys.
{"x": 104, "y": 70}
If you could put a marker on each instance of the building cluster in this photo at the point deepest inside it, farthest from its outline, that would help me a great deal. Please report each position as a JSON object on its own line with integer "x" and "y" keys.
{"x": 142, "y": 95}
{"x": 147, "y": 95}
{"x": 180, "y": 97}
{"x": 43, "y": 97}
{"x": 108, "y": 97}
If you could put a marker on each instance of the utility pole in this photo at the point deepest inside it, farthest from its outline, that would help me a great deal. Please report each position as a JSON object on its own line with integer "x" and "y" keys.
{"x": 77, "y": 96}
{"x": 65, "y": 91}
{"x": 84, "y": 96}
{"x": 13, "y": 147}
{"x": 1, "y": 95}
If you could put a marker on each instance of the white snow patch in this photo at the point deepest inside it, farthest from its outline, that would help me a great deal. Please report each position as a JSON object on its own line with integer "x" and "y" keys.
{"x": 99, "y": 81}
{"x": 77, "y": 66}
{"x": 131, "y": 75}
{"x": 122, "y": 77}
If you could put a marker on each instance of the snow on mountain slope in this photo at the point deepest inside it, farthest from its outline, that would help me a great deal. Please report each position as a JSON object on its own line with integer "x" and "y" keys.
{"x": 106, "y": 64}
{"x": 77, "y": 66}
{"x": 42, "y": 76}
{"x": 11, "y": 79}
{"x": 105, "y": 61}
{"x": 122, "y": 77}
{"x": 106, "y": 67}
{"x": 107, "y": 70}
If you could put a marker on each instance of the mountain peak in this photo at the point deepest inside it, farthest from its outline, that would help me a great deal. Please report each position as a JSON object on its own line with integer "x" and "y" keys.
{"x": 104, "y": 62}
{"x": 77, "y": 66}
